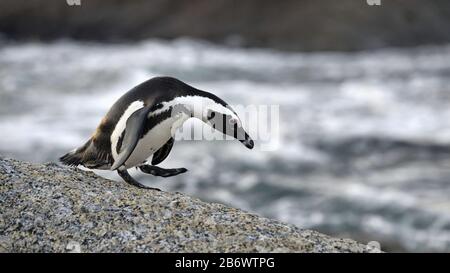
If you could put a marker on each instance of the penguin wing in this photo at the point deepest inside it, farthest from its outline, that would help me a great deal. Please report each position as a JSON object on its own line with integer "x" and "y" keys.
{"x": 133, "y": 131}
{"x": 163, "y": 152}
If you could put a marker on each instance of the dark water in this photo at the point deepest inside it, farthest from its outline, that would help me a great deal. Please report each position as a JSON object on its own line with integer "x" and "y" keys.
{"x": 364, "y": 137}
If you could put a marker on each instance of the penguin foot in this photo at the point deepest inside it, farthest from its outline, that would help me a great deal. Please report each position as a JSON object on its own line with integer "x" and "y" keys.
{"x": 130, "y": 180}
{"x": 158, "y": 171}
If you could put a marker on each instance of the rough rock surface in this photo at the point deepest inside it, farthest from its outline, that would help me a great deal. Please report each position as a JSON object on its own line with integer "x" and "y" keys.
{"x": 49, "y": 208}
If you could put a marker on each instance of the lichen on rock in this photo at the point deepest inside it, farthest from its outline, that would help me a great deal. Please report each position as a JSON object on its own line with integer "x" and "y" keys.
{"x": 51, "y": 208}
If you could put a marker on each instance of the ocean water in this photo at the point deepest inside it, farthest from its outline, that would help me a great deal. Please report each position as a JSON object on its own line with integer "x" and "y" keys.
{"x": 364, "y": 139}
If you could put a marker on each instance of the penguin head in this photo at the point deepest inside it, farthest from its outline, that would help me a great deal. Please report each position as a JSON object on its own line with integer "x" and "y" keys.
{"x": 225, "y": 120}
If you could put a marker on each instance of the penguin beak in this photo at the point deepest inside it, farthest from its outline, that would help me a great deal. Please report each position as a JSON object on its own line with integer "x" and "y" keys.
{"x": 248, "y": 142}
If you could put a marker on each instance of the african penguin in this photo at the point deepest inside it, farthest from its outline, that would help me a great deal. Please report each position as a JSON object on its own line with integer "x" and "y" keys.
{"x": 142, "y": 123}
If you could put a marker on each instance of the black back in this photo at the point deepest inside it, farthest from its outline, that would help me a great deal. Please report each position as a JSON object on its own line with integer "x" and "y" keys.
{"x": 152, "y": 92}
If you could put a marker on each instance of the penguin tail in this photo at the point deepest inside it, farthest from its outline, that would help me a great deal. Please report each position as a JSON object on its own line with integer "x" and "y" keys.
{"x": 89, "y": 156}
{"x": 71, "y": 159}
{"x": 75, "y": 157}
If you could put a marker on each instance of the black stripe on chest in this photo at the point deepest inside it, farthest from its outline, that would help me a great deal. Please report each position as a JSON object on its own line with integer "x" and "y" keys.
{"x": 150, "y": 123}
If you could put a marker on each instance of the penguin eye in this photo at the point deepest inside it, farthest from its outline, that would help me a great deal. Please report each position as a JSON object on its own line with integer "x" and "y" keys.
{"x": 211, "y": 115}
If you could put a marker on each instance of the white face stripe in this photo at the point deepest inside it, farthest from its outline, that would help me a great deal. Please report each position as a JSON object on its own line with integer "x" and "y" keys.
{"x": 197, "y": 104}
{"x": 121, "y": 124}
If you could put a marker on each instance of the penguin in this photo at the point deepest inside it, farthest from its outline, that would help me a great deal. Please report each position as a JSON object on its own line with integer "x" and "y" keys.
{"x": 142, "y": 123}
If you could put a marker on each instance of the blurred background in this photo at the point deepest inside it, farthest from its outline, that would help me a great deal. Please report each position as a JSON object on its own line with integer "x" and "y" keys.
{"x": 363, "y": 93}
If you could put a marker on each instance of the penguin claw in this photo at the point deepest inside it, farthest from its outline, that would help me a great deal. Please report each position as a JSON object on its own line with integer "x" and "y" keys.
{"x": 130, "y": 180}
{"x": 158, "y": 171}
{"x": 150, "y": 188}
{"x": 174, "y": 172}
{"x": 141, "y": 186}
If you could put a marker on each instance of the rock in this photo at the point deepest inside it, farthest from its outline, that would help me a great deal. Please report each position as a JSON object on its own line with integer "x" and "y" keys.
{"x": 50, "y": 208}
{"x": 287, "y": 25}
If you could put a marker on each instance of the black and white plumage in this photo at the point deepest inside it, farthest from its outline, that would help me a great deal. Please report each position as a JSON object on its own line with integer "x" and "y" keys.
{"x": 142, "y": 123}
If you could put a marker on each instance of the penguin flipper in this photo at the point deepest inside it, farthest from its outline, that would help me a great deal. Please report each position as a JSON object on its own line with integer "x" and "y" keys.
{"x": 133, "y": 131}
{"x": 163, "y": 152}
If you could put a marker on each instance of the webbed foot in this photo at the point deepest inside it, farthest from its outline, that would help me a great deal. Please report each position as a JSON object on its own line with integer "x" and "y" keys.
{"x": 158, "y": 171}
{"x": 130, "y": 180}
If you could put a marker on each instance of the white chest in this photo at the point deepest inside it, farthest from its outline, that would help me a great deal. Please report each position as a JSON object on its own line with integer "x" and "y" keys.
{"x": 154, "y": 139}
